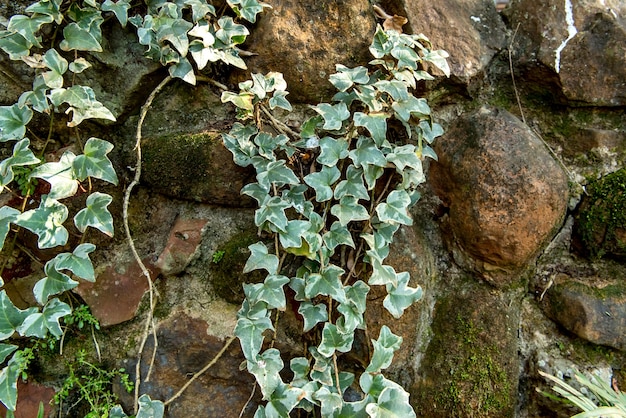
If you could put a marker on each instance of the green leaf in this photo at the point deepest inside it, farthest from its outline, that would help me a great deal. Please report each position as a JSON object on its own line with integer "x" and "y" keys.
{"x": 7, "y": 216}
{"x": 327, "y": 282}
{"x": 309, "y": 126}
{"x": 401, "y": 296}
{"x": 331, "y": 402}
{"x": 257, "y": 192}
{"x": 312, "y": 314}
{"x": 250, "y": 334}
{"x": 272, "y": 212}
{"x": 260, "y": 259}
{"x": 380, "y": 44}
{"x": 11, "y": 317}
{"x": 80, "y": 39}
{"x": 430, "y": 132}
{"x": 334, "y": 340}
{"x": 338, "y": 235}
{"x": 47, "y": 7}
{"x": 96, "y": 214}
{"x": 404, "y": 156}
{"x": 37, "y": 97}
{"x": 270, "y": 291}
{"x": 14, "y": 44}
{"x": 149, "y": 408}
{"x": 53, "y": 283}
{"x": 183, "y": 70}
{"x": 371, "y": 174}
{"x": 200, "y": 8}
{"x": 242, "y": 100}
{"x": 57, "y": 65}
{"x": 8, "y": 384}
{"x": 279, "y": 100}
{"x": 407, "y": 57}
{"x": 47, "y": 222}
{"x": 6, "y": 350}
{"x": 322, "y": 370}
{"x": 283, "y": 399}
{"x": 238, "y": 142}
{"x": 353, "y": 409}
{"x": 369, "y": 96}
{"x": 381, "y": 274}
{"x": 266, "y": 368}
{"x": 247, "y": 9}
{"x": 79, "y": 65}
{"x": 394, "y": 88}
{"x": 94, "y": 161}
{"x": 60, "y": 175}
{"x": 394, "y": 209}
{"x": 357, "y": 295}
{"x": 367, "y": 153}
{"x": 295, "y": 196}
{"x": 384, "y": 348}
{"x": 333, "y": 115}
{"x": 231, "y": 33}
{"x": 13, "y": 121}
{"x": 120, "y": 8}
{"x": 332, "y": 150}
{"x": 348, "y": 209}
{"x": 277, "y": 173}
{"x": 82, "y": 103}
{"x": 404, "y": 108}
{"x": 375, "y": 123}
{"x": 351, "y": 319}
{"x": 175, "y": 31}
{"x": 438, "y": 59}
{"x": 78, "y": 261}
{"x": 38, "y": 324}
{"x": 292, "y": 237}
{"x": 267, "y": 143}
{"x": 29, "y": 26}
{"x": 346, "y": 77}
{"x": 322, "y": 182}
{"x": 352, "y": 185}
{"x": 392, "y": 403}
{"x": 22, "y": 155}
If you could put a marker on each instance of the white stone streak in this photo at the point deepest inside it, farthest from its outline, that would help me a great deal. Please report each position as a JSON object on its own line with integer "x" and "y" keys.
{"x": 571, "y": 32}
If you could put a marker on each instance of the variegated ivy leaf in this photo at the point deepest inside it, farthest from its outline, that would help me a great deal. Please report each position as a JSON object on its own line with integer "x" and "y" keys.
{"x": 401, "y": 296}
{"x": 29, "y": 26}
{"x": 381, "y": 274}
{"x": 79, "y": 65}
{"x": 282, "y": 401}
{"x": 36, "y": 98}
{"x": 230, "y": 33}
{"x": 272, "y": 214}
{"x": 47, "y": 7}
{"x": 7, "y": 216}
{"x": 8, "y": 381}
{"x": 331, "y": 402}
{"x": 346, "y": 77}
{"x": 270, "y": 291}
{"x": 200, "y": 8}
{"x": 300, "y": 368}
{"x": 267, "y": 143}
{"x": 327, "y": 282}
{"x": 53, "y": 283}
{"x": 6, "y": 350}
{"x": 119, "y": 8}
{"x": 406, "y": 56}
{"x": 279, "y": 99}
{"x": 394, "y": 209}
{"x": 352, "y": 185}
{"x": 183, "y": 70}
{"x": 292, "y": 237}
{"x": 266, "y": 368}
{"x": 322, "y": 182}
{"x": 348, "y": 209}
{"x": 375, "y": 123}
{"x": 357, "y": 295}
{"x": 22, "y": 155}
{"x": 78, "y": 261}
{"x": 77, "y": 37}
{"x": 94, "y": 161}
{"x": 334, "y": 340}
{"x": 57, "y": 65}
{"x": 82, "y": 104}
{"x": 337, "y": 235}
{"x": 430, "y": 130}
{"x": 260, "y": 259}
{"x": 96, "y": 214}
{"x": 439, "y": 59}
{"x": 238, "y": 142}
{"x": 392, "y": 403}
{"x": 296, "y": 197}
{"x": 175, "y": 31}
{"x": 149, "y": 408}
{"x": 60, "y": 175}
{"x": 14, "y": 44}
{"x": 312, "y": 314}
{"x": 277, "y": 173}
{"x": 38, "y": 324}
{"x": 394, "y": 88}
{"x": 13, "y": 121}
{"x": 404, "y": 156}
{"x": 250, "y": 334}
{"x": 371, "y": 174}
{"x": 47, "y": 222}
{"x": 367, "y": 153}
{"x": 12, "y": 317}
{"x": 333, "y": 115}
{"x": 322, "y": 370}
{"x": 332, "y": 150}
{"x": 247, "y": 9}
{"x": 412, "y": 105}
{"x": 257, "y": 192}
{"x": 369, "y": 96}
{"x": 350, "y": 320}
{"x": 384, "y": 348}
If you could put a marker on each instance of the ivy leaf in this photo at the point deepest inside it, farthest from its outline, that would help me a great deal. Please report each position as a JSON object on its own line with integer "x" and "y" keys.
{"x": 6, "y": 350}
{"x": 175, "y": 31}
{"x": 366, "y": 152}
{"x": 438, "y": 59}
{"x": 268, "y": 143}
{"x": 357, "y": 295}
{"x": 327, "y": 282}
{"x": 266, "y": 368}
{"x": 183, "y": 70}
{"x": 13, "y": 121}
{"x": 82, "y": 103}
{"x": 375, "y": 123}
{"x": 380, "y": 44}
{"x": 384, "y": 348}
{"x": 96, "y": 214}
{"x": 322, "y": 182}
{"x": 404, "y": 156}
{"x": 297, "y": 199}
{"x": 332, "y": 150}
{"x": 404, "y": 108}
{"x": 393, "y": 402}
{"x": 38, "y": 324}
{"x": 331, "y": 402}
{"x": 248, "y": 9}
{"x": 271, "y": 292}
{"x": 292, "y": 237}
{"x": 394, "y": 209}
{"x": 279, "y": 99}
{"x": 354, "y": 409}
{"x": 338, "y": 235}
{"x": 57, "y": 65}
{"x": 250, "y": 334}
{"x": 8, "y": 383}
{"x": 11, "y": 317}
{"x": 120, "y": 8}
{"x": 272, "y": 212}
{"x": 371, "y": 174}
{"x": 381, "y": 274}
{"x": 352, "y": 185}
{"x": 430, "y": 131}
{"x": 53, "y": 283}
{"x": 369, "y": 96}
{"x": 79, "y": 65}
{"x": 260, "y": 259}
{"x": 231, "y": 33}
{"x": 94, "y": 161}
{"x": 283, "y": 399}
{"x": 312, "y": 314}
{"x": 351, "y": 319}
{"x": 29, "y": 26}
{"x": 60, "y": 175}
{"x": 47, "y": 7}
{"x": 334, "y": 340}
{"x": 149, "y": 408}
{"x": 333, "y": 115}
{"x": 277, "y": 173}
{"x": 47, "y": 222}
{"x": 80, "y": 39}
{"x": 242, "y": 100}
{"x": 238, "y": 142}
{"x": 7, "y": 215}
{"x": 348, "y": 209}
{"x": 22, "y": 155}
{"x": 407, "y": 57}
{"x": 401, "y": 296}
{"x": 394, "y": 88}
{"x": 14, "y": 44}
{"x": 309, "y": 126}
{"x": 36, "y": 97}
{"x": 200, "y": 8}
{"x": 257, "y": 192}
{"x": 346, "y": 77}
{"x": 78, "y": 261}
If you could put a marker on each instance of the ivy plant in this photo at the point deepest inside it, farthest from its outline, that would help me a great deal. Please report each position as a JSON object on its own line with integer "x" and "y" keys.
{"x": 332, "y": 197}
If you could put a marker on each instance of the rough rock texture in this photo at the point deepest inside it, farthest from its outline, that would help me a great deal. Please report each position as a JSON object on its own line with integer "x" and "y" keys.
{"x": 305, "y": 39}
{"x": 471, "y": 31}
{"x": 181, "y": 247}
{"x": 562, "y": 35}
{"x": 30, "y": 396}
{"x": 506, "y": 195}
{"x": 596, "y": 314}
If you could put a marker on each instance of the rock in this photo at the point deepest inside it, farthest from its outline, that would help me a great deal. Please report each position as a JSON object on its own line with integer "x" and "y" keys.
{"x": 117, "y": 292}
{"x": 597, "y": 314}
{"x": 506, "y": 195}
{"x": 305, "y": 39}
{"x": 30, "y": 395}
{"x": 470, "y": 368}
{"x": 195, "y": 167}
{"x": 562, "y": 35}
{"x": 181, "y": 247}
{"x": 600, "y": 227}
{"x": 471, "y": 31}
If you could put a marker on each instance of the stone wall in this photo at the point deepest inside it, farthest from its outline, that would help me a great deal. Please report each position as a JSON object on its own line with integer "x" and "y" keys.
{"x": 520, "y": 274}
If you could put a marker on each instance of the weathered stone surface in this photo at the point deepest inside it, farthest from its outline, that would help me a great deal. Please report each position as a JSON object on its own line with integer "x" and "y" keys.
{"x": 470, "y": 368}
{"x": 30, "y": 395}
{"x": 471, "y": 31}
{"x": 506, "y": 195}
{"x": 597, "y": 314}
{"x": 195, "y": 167}
{"x": 305, "y": 39}
{"x": 563, "y": 35}
{"x": 182, "y": 246}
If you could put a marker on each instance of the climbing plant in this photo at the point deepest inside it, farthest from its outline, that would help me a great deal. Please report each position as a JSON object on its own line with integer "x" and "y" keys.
{"x": 331, "y": 198}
